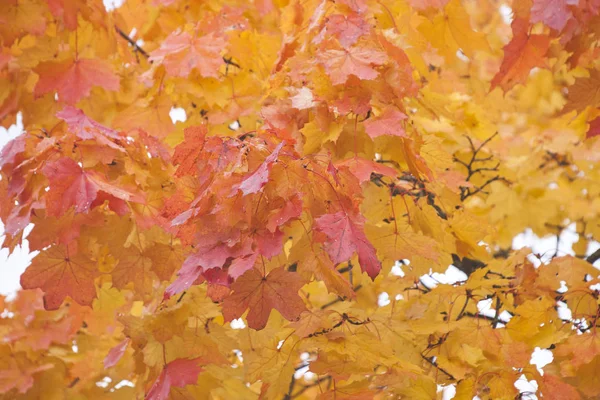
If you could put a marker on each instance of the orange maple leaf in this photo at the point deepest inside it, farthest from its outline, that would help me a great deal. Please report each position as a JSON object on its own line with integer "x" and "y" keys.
{"x": 62, "y": 271}
{"x": 177, "y": 373}
{"x": 181, "y": 52}
{"x": 72, "y": 186}
{"x": 346, "y": 237}
{"x": 388, "y": 123}
{"x": 73, "y": 79}
{"x": 357, "y": 61}
{"x": 261, "y": 293}
{"x": 524, "y": 52}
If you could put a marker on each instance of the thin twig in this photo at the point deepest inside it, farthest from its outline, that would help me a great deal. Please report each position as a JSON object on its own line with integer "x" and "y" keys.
{"x": 592, "y": 258}
{"x": 497, "y": 315}
{"x": 339, "y": 299}
{"x": 132, "y": 42}
{"x": 433, "y": 363}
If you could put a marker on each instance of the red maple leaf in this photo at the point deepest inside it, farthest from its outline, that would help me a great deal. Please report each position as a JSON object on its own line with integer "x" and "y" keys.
{"x": 72, "y": 186}
{"x": 213, "y": 251}
{"x": 181, "y": 52}
{"x": 177, "y": 373}
{"x": 187, "y": 153}
{"x": 9, "y": 152}
{"x": 73, "y": 79}
{"x": 67, "y": 10}
{"x": 261, "y": 293}
{"x": 388, "y": 123}
{"x": 347, "y": 28}
{"x": 115, "y": 354}
{"x": 594, "y": 129}
{"x": 357, "y": 61}
{"x": 346, "y": 237}
{"x": 553, "y": 13}
{"x": 86, "y": 128}
{"x": 363, "y": 169}
{"x": 521, "y": 54}
{"x": 62, "y": 271}
{"x": 256, "y": 180}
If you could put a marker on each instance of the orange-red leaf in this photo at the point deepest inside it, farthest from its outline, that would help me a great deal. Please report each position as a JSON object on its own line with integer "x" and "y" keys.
{"x": 73, "y": 79}
{"x": 346, "y": 237}
{"x": 357, "y": 61}
{"x": 388, "y": 123}
{"x": 188, "y": 152}
{"x": 178, "y": 373}
{"x": 363, "y": 169}
{"x": 593, "y": 130}
{"x": 62, "y": 271}
{"x": 584, "y": 92}
{"x": 524, "y": 52}
{"x": 181, "y": 52}
{"x": 553, "y": 13}
{"x": 260, "y": 294}
{"x": 347, "y": 28}
{"x": 72, "y": 186}
{"x": 256, "y": 180}
{"x": 87, "y": 129}
{"x": 115, "y": 354}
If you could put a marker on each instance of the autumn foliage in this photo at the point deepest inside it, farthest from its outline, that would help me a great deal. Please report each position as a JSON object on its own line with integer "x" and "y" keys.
{"x": 283, "y": 241}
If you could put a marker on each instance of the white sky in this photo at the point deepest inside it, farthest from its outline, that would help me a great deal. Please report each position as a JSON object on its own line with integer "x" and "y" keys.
{"x": 13, "y": 265}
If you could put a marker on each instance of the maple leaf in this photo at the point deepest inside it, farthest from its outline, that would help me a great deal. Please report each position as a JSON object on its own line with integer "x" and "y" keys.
{"x": 357, "y": 61}
{"x": 9, "y": 152}
{"x": 397, "y": 243}
{"x": 61, "y": 271}
{"x": 212, "y": 252}
{"x": 72, "y": 186}
{"x": 363, "y": 169}
{"x": 583, "y": 93}
{"x": 260, "y": 293}
{"x": 67, "y": 11}
{"x": 524, "y": 52}
{"x": 556, "y": 389}
{"x": 254, "y": 182}
{"x": 388, "y": 123}
{"x": 312, "y": 259}
{"x": 553, "y": 13}
{"x": 346, "y": 237}
{"x": 115, "y": 354}
{"x": 187, "y": 153}
{"x": 571, "y": 347}
{"x": 424, "y": 4}
{"x": 451, "y": 31}
{"x": 347, "y": 28}
{"x": 73, "y": 79}
{"x": 87, "y": 129}
{"x": 15, "y": 376}
{"x": 69, "y": 187}
{"x": 149, "y": 114}
{"x": 181, "y": 52}
{"x": 37, "y": 335}
{"x": 177, "y": 373}
{"x": 593, "y": 130}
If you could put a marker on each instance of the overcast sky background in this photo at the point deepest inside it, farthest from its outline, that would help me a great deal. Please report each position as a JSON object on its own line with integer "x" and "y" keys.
{"x": 11, "y": 265}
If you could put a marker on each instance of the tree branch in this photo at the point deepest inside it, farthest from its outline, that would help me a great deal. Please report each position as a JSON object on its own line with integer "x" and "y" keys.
{"x": 592, "y": 258}
{"x": 132, "y": 42}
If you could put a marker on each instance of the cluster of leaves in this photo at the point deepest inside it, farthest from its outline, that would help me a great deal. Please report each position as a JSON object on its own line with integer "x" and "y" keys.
{"x": 324, "y": 142}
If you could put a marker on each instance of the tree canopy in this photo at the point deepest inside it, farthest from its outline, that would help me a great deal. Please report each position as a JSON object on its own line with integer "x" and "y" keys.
{"x": 285, "y": 238}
